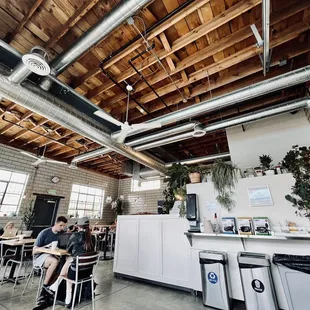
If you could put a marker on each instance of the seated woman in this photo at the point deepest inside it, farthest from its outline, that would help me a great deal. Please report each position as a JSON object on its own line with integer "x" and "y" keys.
{"x": 79, "y": 243}
{"x": 9, "y": 230}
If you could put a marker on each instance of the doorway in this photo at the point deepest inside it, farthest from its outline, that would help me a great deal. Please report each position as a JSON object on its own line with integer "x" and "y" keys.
{"x": 45, "y": 208}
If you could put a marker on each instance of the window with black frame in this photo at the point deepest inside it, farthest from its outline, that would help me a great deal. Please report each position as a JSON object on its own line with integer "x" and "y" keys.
{"x": 12, "y": 187}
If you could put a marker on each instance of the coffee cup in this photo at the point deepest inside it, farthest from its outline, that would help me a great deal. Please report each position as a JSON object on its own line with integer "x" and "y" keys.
{"x": 54, "y": 245}
{"x": 21, "y": 237}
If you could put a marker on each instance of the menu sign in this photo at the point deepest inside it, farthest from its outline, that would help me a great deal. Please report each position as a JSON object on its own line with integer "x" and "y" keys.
{"x": 260, "y": 196}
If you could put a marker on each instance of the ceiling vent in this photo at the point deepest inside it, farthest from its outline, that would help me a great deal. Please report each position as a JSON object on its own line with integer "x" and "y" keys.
{"x": 36, "y": 61}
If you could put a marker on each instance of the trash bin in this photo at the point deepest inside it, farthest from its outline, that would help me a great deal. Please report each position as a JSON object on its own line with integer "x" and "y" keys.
{"x": 295, "y": 276}
{"x": 215, "y": 279}
{"x": 257, "y": 284}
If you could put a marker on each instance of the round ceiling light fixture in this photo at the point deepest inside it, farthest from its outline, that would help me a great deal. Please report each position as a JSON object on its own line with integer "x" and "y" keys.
{"x": 198, "y": 131}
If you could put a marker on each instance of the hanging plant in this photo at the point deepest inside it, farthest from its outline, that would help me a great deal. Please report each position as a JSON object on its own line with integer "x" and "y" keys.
{"x": 297, "y": 161}
{"x": 224, "y": 178}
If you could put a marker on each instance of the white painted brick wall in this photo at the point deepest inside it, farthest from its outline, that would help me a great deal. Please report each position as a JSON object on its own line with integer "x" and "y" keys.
{"x": 142, "y": 201}
{"x": 12, "y": 159}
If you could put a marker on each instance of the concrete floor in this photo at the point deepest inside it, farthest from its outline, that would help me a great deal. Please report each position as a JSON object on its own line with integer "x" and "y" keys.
{"x": 112, "y": 294}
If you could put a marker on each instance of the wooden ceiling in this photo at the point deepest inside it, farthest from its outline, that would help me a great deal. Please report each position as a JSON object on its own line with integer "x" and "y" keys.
{"x": 207, "y": 47}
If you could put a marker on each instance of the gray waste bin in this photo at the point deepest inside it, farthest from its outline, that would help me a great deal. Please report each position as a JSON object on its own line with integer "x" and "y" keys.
{"x": 215, "y": 279}
{"x": 295, "y": 276}
{"x": 257, "y": 283}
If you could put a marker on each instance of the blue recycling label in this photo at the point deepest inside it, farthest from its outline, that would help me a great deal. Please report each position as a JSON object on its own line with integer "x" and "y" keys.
{"x": 212, "y": 277}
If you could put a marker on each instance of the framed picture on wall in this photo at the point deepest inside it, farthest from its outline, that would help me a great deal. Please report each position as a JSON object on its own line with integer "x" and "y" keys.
{"x": 260, "y": 196}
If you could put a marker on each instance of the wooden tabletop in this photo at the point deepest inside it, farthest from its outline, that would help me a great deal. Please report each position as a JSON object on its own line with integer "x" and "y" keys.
{"x": 56, "y": 252}
{"x": 7, "y": 238}
{"x": 17, "y": 242}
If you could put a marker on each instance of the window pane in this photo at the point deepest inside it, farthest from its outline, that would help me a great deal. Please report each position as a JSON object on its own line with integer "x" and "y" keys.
{"x": 3, "y": 186}
{"x": 15, "y": 188}
{"x": 81, "y": 205}
{"x": 83, "y": 189}
{"x": 98, "y": 192}
{"x": 74, "y": 196}
{"x": 5, "y": 209}
{"x": 82, "y": 197}
{"x": 75, "y": 188}
{"x": 11, "y": 199}
{"x": 90, "y": 198}
{"x": 89, "y": 206}
{"x": 18, "y": 177}
{"x": 5, "y": 175}
{"x": 91, "y": 190}
{"x": 98, "y": 199}
{"x": 72, "y": 205}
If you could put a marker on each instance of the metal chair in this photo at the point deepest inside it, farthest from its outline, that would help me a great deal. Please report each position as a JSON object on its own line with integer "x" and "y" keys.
{"x": 39, "y": 270}
{"x": 22, "y": 260}
{"x": 6, "y": 256}
{"x": 83, "y": 263}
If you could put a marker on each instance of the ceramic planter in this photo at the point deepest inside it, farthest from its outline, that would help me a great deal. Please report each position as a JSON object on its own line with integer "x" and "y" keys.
{"x": 194, "y": 177}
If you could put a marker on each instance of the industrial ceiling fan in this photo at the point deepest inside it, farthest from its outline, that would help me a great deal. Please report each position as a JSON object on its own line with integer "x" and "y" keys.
{"x": 126, "y": 127}
{"x": 40, "y": 159}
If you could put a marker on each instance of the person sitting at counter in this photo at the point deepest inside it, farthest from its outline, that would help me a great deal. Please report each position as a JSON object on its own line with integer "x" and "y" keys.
{"x": 9, "y": 230}
{"x": 50, "y": 262}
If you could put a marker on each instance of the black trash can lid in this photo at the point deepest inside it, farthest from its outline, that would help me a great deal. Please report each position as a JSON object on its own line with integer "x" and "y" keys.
{"x": 295, "y": 262}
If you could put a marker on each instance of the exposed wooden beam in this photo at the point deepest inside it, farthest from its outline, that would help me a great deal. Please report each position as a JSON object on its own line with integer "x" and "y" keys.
{"x": 190, "y": 37}
{"x": 22, "y": 23}
{"x": 9, "y": 126}
{"x": 212, "y": 49}
{"x": 79, "y": 13}
{"x": 164, "y": 26}
{"x": 25, "y": 131}
{"x": 243, "y": 55}
{"x": 237, "y": 74}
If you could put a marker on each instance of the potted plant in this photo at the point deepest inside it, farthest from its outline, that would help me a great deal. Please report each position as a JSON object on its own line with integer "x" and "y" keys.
{"x": 224, "y": 178}
{"x": 177, "y": 178}
{"x": 297, "y": 161}
{"x": 194, "y": 173}
{"x": 28, "y": 217}
{"x": 266, "y": 162}
{"x": 117, "y": 206}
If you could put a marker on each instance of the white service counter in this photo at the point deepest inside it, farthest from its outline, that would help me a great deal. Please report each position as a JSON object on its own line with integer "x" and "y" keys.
{"x": 155, "y": 247}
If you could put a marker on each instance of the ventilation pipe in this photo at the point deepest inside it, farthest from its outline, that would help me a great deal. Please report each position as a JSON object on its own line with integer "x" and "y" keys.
{"x": 280, "y": 82}
{"x": 152, "y": 137}
{"x": 94, "y": 35}
{"x": 303, "y": 103}
{"x": 33, "y": 98}
{"x": 199, "y": 160}
{"x": 33, "y": 62}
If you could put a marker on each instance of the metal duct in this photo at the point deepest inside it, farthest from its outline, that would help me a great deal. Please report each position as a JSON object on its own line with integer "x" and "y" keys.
{"x": 95, "y": 34}
{"x": 33, "y": 98}
{"x": 283, "y": 108}
{"x": 259, "y": 89}
{"x": 202, "y": 159}
{"x": 152, "y": 137}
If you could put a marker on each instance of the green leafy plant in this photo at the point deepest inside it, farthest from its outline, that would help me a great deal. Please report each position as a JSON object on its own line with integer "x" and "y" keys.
{"x": 28, "y": 215}
{"x": 297, "y": 161}
{"x": 224, "y": 178}
{"x": 194, "y": 168}
{"x": 177, "y": 178}
{"x": 117, "y": 206}
{"x": 265, "y": 161}
{"x": 169, "y": 199}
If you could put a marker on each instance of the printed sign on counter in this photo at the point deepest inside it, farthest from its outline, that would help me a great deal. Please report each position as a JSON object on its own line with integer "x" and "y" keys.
{"x": 260, "y": 196}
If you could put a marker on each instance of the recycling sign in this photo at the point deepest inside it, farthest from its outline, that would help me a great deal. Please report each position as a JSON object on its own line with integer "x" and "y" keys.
{"x": 212, "y": 277}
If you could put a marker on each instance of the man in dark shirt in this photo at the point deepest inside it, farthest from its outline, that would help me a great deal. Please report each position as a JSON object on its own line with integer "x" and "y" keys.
{"x": 46, "y": 237}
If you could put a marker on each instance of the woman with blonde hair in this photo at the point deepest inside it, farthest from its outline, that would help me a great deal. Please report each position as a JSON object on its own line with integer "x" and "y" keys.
{"x": 9, "y": 230}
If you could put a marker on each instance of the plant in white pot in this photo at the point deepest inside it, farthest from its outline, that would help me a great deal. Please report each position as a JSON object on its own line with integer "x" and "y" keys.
{"x": 266, "y": 162}
{"x": 28, "y": 218}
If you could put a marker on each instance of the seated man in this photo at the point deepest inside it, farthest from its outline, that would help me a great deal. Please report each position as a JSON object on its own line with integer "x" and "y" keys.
{"x": 44, "y": 238}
